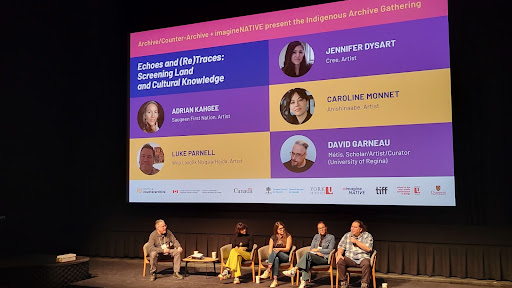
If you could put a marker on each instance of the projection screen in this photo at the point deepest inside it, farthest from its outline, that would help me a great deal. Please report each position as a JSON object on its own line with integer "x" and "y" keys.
{"x": 340, "y": 103}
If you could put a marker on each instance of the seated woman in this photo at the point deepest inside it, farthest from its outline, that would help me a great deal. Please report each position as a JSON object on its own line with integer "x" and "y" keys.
{"x": 242, "y": 243}
{"x": 279, "y": 247}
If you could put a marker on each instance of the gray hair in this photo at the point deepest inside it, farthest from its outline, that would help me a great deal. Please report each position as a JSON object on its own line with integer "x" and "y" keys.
{"x": 302, "y": 143}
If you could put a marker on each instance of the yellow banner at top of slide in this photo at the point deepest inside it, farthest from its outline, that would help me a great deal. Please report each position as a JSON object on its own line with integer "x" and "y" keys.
{"x": 222, "y": 156}
{"x": 382, "y": 100}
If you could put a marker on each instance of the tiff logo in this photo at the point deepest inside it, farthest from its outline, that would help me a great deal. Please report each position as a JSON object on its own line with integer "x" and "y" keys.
{"x": 382, "y": 190}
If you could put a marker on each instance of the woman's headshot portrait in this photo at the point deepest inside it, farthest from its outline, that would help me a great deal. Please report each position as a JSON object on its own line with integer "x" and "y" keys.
{"x": 151, "y": 158}
{"x": 150, "y": 116}
{"x": 297, "y": 106}
{"x": 296, "y": 59}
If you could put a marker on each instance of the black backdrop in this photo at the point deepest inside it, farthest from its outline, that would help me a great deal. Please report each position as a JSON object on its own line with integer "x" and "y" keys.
{"x": 65, "y": 133}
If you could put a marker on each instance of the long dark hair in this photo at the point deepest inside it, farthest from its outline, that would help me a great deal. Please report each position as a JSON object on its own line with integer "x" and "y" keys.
{"x": 276, "y": 226}
{"x": 289, "y": 67}
{"x": 287, "y": 98}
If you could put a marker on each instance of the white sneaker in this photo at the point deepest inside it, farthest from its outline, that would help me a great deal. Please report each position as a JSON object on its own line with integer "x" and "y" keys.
{"x": 274, "y": 284}
{"x": 302, "y": 284}
{"x": 225, "y": 272}
{"x": 265, "y": 275}
{"x": 290, "y": 272}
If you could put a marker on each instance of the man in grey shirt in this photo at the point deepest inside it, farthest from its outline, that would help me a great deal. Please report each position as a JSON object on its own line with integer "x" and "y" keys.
{"x": 321, "y": 246}
{"x": 163, "y": 244}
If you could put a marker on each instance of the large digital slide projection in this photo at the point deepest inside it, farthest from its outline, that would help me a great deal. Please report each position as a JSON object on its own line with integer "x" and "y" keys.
{"x": 341, "y": 103}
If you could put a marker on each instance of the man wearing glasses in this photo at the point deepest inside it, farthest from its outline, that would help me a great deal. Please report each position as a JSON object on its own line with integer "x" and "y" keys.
{"x": 321, "y": 246}
{"x": 298, "y": 162}
{"x": 163, "y": 244}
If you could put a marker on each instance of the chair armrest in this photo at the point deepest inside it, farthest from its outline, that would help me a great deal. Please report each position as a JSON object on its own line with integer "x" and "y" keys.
{"x": 253, "y": 252}
{"x": 332, "y": 257}
{"x": 372, "y": 258}
{"x": 224, "y": 251}
{"x": 145, "y": 249}
{"x": 292, "y": 254}
{"x": 300, "y": 252}
{"x": 263, "y": 253}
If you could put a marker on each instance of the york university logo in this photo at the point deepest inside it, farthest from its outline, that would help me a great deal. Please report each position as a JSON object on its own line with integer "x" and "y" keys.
{"x": 320, "y": 190}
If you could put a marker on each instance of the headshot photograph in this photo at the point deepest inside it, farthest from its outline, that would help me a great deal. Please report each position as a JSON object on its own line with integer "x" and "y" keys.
{"x": 150, "y": 117}
{"x": 297, "y": 106}
{"x": 150, "y": 158}
{"x": 296, "y": 59}
{"x": 298, "y": 154}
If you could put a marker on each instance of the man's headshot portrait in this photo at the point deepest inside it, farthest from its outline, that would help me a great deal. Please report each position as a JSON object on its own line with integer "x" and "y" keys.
{"x": 298, "y": 158}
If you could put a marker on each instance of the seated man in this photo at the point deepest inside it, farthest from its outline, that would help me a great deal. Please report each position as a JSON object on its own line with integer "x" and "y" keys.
{"x": 321, "y": 246}
{"x": 357, "y": 245}
{"x": 163, "y": 244}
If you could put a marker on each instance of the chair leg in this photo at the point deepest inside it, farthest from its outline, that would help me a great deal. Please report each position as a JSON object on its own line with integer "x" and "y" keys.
{"x": 336, "y": 277}
{"x": 331, "y": 278}
{"x": 144, "y": 270}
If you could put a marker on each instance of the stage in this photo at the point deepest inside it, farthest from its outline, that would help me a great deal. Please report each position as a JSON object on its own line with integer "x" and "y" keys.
{"x": 126, "y": 273}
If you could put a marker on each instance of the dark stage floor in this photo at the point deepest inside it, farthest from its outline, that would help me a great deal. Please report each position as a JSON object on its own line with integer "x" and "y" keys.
{"x": 126, "y": 273}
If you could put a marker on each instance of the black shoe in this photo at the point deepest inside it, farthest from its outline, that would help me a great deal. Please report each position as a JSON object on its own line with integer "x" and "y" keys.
{"x": 177, "y": 275}
{"x": 153, "y": 277}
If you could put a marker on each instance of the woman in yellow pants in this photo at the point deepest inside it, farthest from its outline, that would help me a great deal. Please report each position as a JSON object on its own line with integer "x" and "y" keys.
{"x": 242, "y": 246}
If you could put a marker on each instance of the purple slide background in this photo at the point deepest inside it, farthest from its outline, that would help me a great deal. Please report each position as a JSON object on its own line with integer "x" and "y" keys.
{"x": 431, "y": 153}
{"x": 247, "y": 107}
{"x": 420, "y": 45}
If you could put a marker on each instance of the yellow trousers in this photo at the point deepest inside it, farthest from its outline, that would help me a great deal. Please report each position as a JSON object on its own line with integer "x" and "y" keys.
{"x": 235, "y": 260}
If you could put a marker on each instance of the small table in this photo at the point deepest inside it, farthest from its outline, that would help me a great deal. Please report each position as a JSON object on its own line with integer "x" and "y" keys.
{"x": 205, "y": 260}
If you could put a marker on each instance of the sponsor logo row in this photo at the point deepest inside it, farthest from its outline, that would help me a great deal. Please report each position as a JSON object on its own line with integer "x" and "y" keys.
{"x": 314, "y": 190}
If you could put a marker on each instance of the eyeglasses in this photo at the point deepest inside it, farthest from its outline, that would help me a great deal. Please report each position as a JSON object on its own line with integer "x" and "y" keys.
{"x": 296, "y": 154}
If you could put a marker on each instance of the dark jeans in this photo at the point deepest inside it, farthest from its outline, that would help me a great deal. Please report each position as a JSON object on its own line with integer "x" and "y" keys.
{"x": 276, "y": 259}
{"x": 307, "y": 261}
{"x": 347, "y": 262}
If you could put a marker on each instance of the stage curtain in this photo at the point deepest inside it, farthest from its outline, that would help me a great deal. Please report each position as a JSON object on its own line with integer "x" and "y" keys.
{"x": 446, "y": 260}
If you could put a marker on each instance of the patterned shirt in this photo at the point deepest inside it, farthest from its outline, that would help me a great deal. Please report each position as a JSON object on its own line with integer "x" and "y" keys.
{"x": 354, "y": 252}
